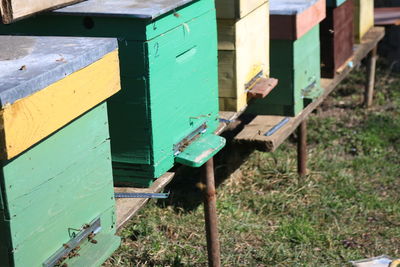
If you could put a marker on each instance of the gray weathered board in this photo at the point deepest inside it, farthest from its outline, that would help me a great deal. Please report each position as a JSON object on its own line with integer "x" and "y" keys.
{"x": 29, "y": 64}
{"x": 11, "y": 10}
{"x": 253, "y": 133}
{"x": 290, "y": 7}
{"x": 128, "y": 207}
{"x": 148, "y": 9}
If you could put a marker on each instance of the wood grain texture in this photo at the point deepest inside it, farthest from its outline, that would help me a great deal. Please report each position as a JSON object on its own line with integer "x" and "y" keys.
{"x": 236, "y": 9}
{"x": 243, "y": 50}
{"x": 253, "y": 133}
{"x": 363, "y": 18}
{"x": 128, "y": 207}
{"x": 293, "y": 26}
{"x": 29, "y": 120}
{"x": 12, "y": 10}
{"x": 63, "y": 182}
{"x": 337, "y": 38}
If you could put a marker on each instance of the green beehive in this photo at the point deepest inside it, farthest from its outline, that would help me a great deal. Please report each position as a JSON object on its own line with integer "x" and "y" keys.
{"x": 169, "y": 76}
{"x": 295, "y": 57}
{"x": 56, "y": 187}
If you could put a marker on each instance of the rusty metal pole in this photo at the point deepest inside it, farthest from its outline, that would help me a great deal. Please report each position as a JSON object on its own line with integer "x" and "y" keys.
{"x": 370, "y": 84}
{"x": 210, "y": 214}
{"x": 302, "y": 148}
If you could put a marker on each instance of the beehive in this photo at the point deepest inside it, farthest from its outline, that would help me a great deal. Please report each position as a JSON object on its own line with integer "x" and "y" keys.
{"x": 363, "y": 18}
{"x": 337, "y": 38}
{"x": 56, "y": 173}
{"x": 168, "y": 59}
{"x": 295, "y": 57}
{"x": 243, "y": 49}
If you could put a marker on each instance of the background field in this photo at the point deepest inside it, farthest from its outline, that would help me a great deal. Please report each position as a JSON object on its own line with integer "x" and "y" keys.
{"x": 347, "y": 208}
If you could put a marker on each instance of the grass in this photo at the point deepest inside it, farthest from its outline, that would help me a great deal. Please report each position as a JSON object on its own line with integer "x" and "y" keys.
{"x": 346, "y": 208}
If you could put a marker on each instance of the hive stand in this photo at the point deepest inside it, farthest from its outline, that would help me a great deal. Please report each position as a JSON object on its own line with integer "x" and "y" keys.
{"x": 254, "y": 133}
{"x": 295, "y": 57}
{"x": 167, "y": 109}
{"x": 56, "y": 187}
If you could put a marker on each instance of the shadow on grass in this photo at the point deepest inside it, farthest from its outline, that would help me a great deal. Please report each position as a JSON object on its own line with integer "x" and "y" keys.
{"x": 186, "y": 194}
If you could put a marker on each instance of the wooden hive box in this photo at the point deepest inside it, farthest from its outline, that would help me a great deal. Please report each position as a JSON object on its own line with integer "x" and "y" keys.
{"x": 11, "y": 10}
{"x": 337, "y": 38}
{"x": 56, "y": 173}
{"x": 243, "y": 49}
{"x": 363, "y": 18}
{"x": 168, "y": 59}
{"x": 295, "y": 57}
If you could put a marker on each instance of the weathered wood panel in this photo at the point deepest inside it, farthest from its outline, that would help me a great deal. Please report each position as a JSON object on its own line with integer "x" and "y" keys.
{"x": 11, "y": 10}
{"x": 336, "y": 38}
{"x": 363, "y": 18}
{"x": 243, "y": 53}
{"x": 60, "y": 184}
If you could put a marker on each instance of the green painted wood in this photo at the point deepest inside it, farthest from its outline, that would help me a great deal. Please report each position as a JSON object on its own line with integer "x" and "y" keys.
{"x": 95, "y": 254}
{"x": 296, "y": 64}
{"x": 201, "y": 150}
{"x": 169, "y": 79}
{"x": 63, "y": 182}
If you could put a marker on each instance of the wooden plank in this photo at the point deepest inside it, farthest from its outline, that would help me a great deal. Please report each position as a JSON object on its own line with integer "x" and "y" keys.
{"x": 254, "y": 132}
{"x": 11, "y": 10}
{"x": 29, "y": 120}
{"x": 128, "y": 207}
{"x": 387, "y": 16}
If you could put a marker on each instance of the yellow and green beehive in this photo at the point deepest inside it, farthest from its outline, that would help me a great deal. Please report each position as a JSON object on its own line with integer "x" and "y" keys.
{"x": 243, "y": 49}
{"x": 169, "y": 76}
{"x": 295, "y": 57}
{"x": 363, "y": 18}
{"x": 56, "y": 186}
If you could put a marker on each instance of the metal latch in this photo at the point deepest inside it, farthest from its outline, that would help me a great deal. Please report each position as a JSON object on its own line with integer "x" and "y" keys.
{"x": 87, "y": 232}
{"x": 179, "y": 147}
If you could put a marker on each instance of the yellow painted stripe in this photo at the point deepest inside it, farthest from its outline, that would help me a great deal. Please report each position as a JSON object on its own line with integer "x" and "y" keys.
{"x": 35, "y": 117}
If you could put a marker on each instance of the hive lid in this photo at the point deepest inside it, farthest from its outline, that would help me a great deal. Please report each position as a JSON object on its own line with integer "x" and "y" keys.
{"x": 290, "y": 7}
{"x": 30, "y": 64}
{"x": 291, "y": 19}
{"x": 141, "y": 9}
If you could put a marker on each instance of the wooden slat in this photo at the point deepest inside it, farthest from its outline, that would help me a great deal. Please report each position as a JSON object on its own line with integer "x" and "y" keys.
{"x": 128, "y": 207}
{"x": 387, "y": 16}
{"x": 254, "y": 132}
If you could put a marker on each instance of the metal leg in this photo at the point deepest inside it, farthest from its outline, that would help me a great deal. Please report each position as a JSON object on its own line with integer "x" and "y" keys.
{"x": 302, "y": 149}
{"x": 210, "y": 214}
{"x": 369, "y": 86}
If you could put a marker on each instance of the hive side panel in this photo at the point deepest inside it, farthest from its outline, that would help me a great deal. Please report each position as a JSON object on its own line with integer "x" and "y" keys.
{"x": 183, "y": 79}
{"x": 73, "y": 191}
{"x": 229, "y": 9}
{"x": 364, "y": 18}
